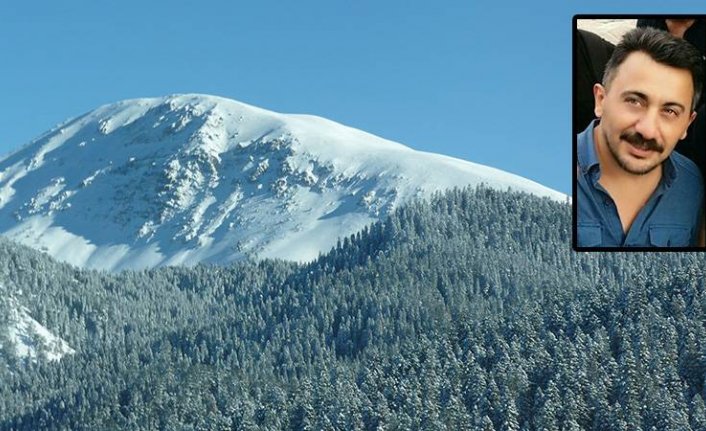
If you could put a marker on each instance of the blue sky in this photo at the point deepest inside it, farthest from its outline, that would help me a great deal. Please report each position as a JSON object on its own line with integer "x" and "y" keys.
{"x": 488, "y": 82}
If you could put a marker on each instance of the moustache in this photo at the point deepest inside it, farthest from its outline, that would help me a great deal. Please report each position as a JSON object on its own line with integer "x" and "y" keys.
{"x": 637, "y": 140}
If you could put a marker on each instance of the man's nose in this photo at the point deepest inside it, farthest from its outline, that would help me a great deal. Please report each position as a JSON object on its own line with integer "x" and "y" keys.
{"x": 647, "y": 125}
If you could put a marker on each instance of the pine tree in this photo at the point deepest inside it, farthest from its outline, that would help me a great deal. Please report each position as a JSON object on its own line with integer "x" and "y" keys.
{"x": 697, "y": 414}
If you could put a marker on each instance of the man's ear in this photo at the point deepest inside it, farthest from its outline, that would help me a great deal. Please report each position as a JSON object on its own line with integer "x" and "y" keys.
{"x": 692, "y": 117}
{"x": 598, "y": 97}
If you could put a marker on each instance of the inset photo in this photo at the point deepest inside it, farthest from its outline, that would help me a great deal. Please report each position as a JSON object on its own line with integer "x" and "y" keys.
{"x": 639, "y": 129}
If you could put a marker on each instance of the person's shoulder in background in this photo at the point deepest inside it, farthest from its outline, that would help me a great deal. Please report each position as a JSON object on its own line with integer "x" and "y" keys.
{"x": 591, "y": 55}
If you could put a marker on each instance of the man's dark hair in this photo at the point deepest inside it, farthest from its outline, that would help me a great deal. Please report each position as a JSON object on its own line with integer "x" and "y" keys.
{"x": 663, "y": 48}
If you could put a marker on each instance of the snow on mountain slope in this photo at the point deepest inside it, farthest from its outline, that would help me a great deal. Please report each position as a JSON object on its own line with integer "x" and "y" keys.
{"x": 27, "y": 338}
{"x": 192, "y": 178}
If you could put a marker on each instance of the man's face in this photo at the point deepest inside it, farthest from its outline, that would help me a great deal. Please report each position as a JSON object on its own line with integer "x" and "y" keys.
{"x": 644, "y": 111}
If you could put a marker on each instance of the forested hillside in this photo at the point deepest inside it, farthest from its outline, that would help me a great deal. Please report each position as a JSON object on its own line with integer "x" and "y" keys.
{"x": 469, "y": 311}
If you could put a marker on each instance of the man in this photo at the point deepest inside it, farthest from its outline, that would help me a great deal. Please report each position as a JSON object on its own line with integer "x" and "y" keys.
{"x": 591, "y": 53}
{"x": 632, "y": 189}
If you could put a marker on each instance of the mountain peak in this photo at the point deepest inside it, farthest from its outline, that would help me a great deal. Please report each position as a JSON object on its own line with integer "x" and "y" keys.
{"x": 189, "y": 178}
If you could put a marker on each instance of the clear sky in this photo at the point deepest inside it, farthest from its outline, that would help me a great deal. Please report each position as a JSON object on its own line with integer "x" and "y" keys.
{"x": 488, "y": 82}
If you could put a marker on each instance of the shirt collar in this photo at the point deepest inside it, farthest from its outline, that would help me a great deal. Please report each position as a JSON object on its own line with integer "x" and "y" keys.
{"x": 588, "y": 158}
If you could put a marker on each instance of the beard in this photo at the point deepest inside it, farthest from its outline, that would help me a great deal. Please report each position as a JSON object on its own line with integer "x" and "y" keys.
{"x": 626, "y": 162}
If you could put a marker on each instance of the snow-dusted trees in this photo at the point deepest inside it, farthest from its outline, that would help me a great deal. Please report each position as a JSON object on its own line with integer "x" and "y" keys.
{"x": 466, "y": 311}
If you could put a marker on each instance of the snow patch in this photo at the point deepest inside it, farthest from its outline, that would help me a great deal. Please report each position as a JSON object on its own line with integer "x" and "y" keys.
{"x": 30, "y": 339}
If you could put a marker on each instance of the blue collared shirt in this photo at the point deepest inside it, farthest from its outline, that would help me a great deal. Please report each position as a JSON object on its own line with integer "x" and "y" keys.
{"x": 670, "y": 218}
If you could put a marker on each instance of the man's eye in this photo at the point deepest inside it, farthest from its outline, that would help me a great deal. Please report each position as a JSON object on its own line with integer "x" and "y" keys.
{"x": 633, "y": 101}
{"x": 671, "y": 112}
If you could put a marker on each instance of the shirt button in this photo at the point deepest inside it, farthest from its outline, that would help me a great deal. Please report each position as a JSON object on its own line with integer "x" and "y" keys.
{"x": 606, "y": 203}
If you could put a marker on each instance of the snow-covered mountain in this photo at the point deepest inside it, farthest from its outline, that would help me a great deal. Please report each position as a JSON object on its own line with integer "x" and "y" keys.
{"x": 193, "y": 178}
